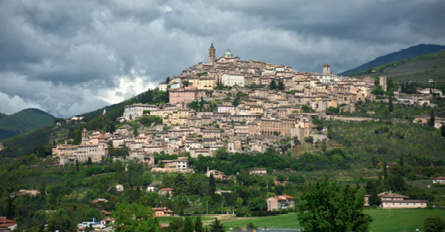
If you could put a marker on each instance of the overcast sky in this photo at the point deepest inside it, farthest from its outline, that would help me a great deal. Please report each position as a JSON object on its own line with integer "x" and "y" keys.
{"x": 70, "y": 57}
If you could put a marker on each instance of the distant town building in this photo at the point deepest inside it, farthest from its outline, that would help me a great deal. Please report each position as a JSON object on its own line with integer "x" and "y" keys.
{"x": 280, "y": 202}
{"x": 439, "y": 180}
{"x": 32, "y": 193}
{"x": 166, "y": 191}
{"x": 162, "y": 212}
{"x": 383, "y": 83}
{"x": 186, "y": 94}
{"x": 119, "y": 188}
{"x": 7, "y": 224}
{"x": 392, "y": 200}
{"x": 258, "y": 171}
{"x": 163, "y": 86}
{"x": 232, "y": 80}
{"x": 135, "y": 111}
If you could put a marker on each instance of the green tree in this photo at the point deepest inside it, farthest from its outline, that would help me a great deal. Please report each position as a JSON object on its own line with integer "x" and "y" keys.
{"x": 378, "y": 90}
{"x": 147, "y": 120}
{"x": 61, "y": 221}
{"x": 201, "y": 104}
{"x": 176, "y": 224}
{"x": 442, "y": 130}
{"x": 390, "y": 104}
{"x": 257, "y": 204}
{"x": 134, "y": 217}
{"x": 273, "y": 85}
{"x": 188, "y": 225}
{"x": 212, "y": 184}
{"x": 326, "y": 206}
{"x": 222, "y": 154}
{"x": 198, "y": 225}
{"x": 217, "y": 226}
{"x": 433, "y": 223}
{"x": 432, "y": 119}
{"x": 236, "y": 101}
{"x": 323, "y": 146}
{"x": 280, "y": 85}
{"x": 385, "y": 170}
{"x": 375, "y": 161}
{"x": 239, "y": 203}
{"x": 281, "y": 177}
{"x": 309, "y": 139}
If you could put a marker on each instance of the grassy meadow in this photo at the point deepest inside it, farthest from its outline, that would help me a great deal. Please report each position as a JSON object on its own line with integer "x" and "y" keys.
{"x": 390, "y": 220}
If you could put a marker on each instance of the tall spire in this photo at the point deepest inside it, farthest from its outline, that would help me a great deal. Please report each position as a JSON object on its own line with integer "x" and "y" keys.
{"x": 212, "y": 52}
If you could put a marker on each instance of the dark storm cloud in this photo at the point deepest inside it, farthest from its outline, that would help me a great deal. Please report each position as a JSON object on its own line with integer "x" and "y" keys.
{"x": 69, "y": 57}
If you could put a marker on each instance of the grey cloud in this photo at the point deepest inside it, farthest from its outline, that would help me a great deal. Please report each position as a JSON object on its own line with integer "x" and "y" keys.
{"x": 74, "y": 51}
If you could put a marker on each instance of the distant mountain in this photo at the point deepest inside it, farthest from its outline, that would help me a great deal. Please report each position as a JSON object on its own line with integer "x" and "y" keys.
{"x": 418, "y": 69}
{"x": 95, "y": 120}
{"x": 24, "y": 121}
{"x": 418, "y": 50}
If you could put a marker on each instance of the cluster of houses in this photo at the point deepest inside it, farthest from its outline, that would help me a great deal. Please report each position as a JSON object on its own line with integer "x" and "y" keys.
{"x": 261, "y": 119}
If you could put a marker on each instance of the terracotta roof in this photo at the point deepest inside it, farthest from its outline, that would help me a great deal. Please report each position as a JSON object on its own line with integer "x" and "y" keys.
{"x": 166, "y": 189}
{"x": 287, "y": 196}
{"x": 5, "y": 223}
{"x": 439, "y": 178}
{"x": 387, "y": 194}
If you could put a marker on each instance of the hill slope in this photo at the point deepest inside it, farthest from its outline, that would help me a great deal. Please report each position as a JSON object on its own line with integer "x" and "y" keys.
{"x": 47, "y": 135}
{"x": 418, "y": 69}
{"x": 418, "y": 50}
{"x": 22, "y": 122}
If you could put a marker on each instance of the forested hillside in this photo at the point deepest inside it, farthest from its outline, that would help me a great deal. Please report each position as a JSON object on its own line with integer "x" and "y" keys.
{"x": 27, "y": 143}
{"x": 410, "y": 52}
{"x": 417, "y": 69}
{"x": 22, "y": 122}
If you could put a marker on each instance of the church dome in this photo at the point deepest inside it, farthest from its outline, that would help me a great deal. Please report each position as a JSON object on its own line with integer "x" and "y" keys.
{"x": 228, "y": 54}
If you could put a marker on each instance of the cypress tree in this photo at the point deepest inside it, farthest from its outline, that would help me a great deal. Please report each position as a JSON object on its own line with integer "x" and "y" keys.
{"x": 273, "y": 85}
{"x": 212, "y": 184}
{"x": 188, "y": 225}
{"x": 433, "y": 118}
{"x": 198, "y": 225}
{"x": 390, "y": 104}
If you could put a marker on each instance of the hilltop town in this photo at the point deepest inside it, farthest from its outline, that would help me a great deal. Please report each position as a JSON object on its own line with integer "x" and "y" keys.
{"x": 232, "y": 137}
{"x": 236, "y": 105}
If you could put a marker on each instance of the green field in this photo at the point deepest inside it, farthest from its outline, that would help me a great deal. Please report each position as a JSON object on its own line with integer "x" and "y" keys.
{"x": 383, "y": 220}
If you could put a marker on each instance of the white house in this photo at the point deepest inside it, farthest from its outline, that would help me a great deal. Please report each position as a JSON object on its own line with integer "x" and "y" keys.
{"x": 439, "y": 180}
{"x": 120, "y": 188}
{"x": 232, "y": 80}
{"x": 135, "y": 111}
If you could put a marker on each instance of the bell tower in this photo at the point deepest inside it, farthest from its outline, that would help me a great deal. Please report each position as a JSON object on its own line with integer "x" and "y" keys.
{"x": 84, "y": 136}
{"x": 212, "y": 52}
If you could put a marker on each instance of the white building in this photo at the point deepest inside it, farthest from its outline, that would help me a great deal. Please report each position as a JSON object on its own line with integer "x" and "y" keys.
{"x": 163, "y": 86}
{"x": 439, "y": 180}
{"x": 135, "y": 111}
{"x": 232, "y": 80}
{"x": 325, "y": 78}
{"x": 393, "y": 200}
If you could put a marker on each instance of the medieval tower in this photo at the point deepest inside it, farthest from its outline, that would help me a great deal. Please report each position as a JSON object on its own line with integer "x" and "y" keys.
{"x": 212, "y": 52}
{"x": 326, "y": 69}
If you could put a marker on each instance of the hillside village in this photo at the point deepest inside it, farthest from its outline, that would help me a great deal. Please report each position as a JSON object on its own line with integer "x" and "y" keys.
{"x": 241, "y": 106}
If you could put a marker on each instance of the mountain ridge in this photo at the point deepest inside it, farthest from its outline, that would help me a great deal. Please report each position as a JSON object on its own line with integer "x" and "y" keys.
{"x": 23, "y": 121}
{"x": 414, "y": 51}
